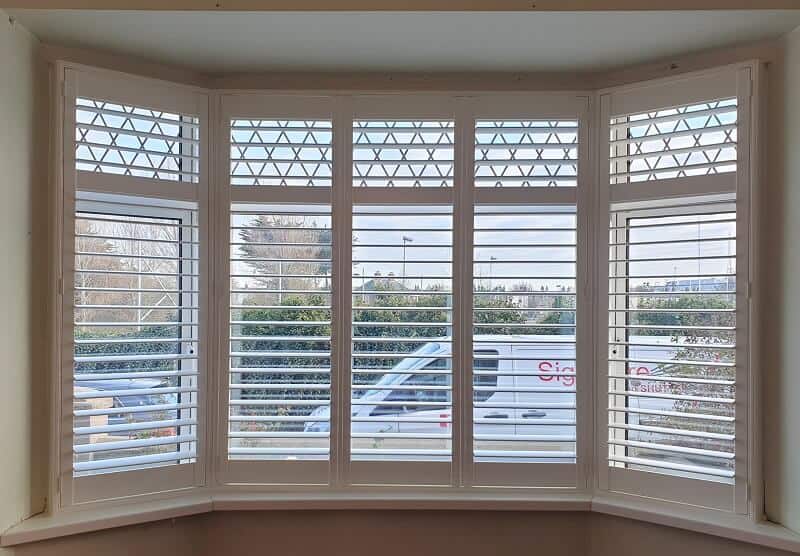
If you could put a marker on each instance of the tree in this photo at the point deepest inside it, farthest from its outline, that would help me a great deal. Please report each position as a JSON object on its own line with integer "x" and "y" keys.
{"x": 683, "y": 310}
{"x": 286, "y": 244}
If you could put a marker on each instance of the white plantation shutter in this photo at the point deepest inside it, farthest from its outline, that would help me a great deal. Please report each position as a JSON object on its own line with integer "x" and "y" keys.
{"x": 403, "y": 153}
{"x": 524, "y": 314}
{"x": 402, "y": 333}
{"x": 136, "y": 342}
{"x": 526, "y": 303}
{"x": 402, "y": 357}
{"x": 132, "y": 305}
{"x": 678, "y": 236}
{"x": 281, "y": 152}
{"x": 347, "y": 362}
{"x": 398, "y": 292}
{"x": 280, "y": 353}
{"x": 277, "y": 268}
{"x": 134, "y": 141}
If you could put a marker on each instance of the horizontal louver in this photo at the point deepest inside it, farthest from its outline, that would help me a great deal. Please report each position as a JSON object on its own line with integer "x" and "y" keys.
{"x": 524, "y": 372}
{"x": 281, "y": 153}
{"x": 135, "y": 334}
{"x": 526, "y": 153}
{"x": 672, "y": 344}
{"x": 403, "y": 153}
{"x": 113, "y": 138}
{"x": 402, "y": 333}
{"x": 280, "y": 332}
{"x": 688, "y": 140}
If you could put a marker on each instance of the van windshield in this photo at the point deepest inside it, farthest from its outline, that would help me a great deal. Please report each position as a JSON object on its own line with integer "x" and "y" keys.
{"x": 395, "y": 375}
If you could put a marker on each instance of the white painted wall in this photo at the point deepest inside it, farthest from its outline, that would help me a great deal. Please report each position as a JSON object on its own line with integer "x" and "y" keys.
{"x": 17, "y": 187}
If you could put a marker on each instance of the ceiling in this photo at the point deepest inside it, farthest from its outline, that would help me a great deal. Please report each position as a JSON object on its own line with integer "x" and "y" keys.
{"x": 403, "y": 41}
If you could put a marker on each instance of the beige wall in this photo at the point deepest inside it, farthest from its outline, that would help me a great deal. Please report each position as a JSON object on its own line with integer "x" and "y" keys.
{"x": 780, "y": 271}
{"x": 615, "y": 536}
{"x": 19, "y": 157}
{"x": 396, "y": 533}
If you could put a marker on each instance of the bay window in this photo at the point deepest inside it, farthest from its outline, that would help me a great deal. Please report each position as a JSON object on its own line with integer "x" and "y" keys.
{"x": 428, "y": 295}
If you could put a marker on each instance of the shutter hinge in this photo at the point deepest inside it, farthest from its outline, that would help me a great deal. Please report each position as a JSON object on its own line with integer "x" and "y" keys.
{"x": 749, "y": 88}
{"x": 63, "y": 89}
{"x": 61, "y": 287}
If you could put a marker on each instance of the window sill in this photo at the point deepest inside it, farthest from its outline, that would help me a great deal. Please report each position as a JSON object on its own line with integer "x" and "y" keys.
{"x": 42, "y": 527}
{"x": 383, "y": 500}
{"x": 708, "y": 522}
{"x": 700, "y": 520}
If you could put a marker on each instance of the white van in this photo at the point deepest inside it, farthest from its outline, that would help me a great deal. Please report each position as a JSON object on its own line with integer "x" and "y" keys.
{"x": 522, "y": 385}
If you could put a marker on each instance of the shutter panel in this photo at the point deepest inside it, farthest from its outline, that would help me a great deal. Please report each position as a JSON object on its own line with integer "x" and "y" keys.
{"x": 525, "y": 300}
{"x": 132, "y": 315}
{"x": 697, "y": 139}
{"x": 136, "y": 341}
{"x": 113, "y": 138}
{"x": 402, "y": 333}
{"x": 294, "y": 153}
{"x": 672, "y": 357}
{"x": 402, "y": 359}
{"x": 277, "y": 266}
{"x": 526, "y": 153}
{"x": 524, "y": 288}
{"x": 677, "y": 269}
{"x": 403, "y": 153}
{"x": 280, "y": 332}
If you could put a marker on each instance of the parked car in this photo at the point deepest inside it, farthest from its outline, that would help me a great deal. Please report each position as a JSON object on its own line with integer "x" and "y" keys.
{"x": 130, "y": 393}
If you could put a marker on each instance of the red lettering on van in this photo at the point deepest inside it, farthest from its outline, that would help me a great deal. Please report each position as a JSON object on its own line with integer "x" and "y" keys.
{"x": 552, "y": 369}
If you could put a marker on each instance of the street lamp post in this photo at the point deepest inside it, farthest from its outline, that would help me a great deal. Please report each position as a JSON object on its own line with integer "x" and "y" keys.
{"x": 406, "y": 240}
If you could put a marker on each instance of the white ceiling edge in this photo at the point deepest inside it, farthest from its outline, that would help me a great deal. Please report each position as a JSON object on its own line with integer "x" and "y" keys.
{"x": 223, "y": 43}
